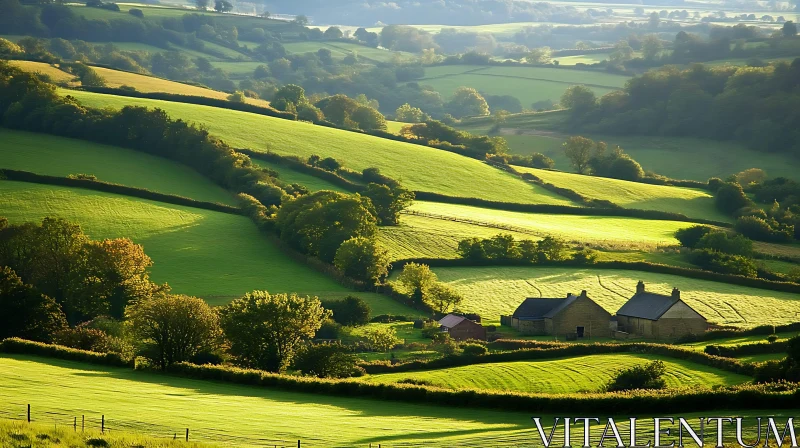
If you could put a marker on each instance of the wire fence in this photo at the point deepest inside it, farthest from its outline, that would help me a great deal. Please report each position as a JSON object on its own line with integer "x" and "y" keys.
{"x": 92, "y": 421}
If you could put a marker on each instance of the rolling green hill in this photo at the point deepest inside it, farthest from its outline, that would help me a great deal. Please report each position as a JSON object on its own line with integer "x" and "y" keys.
{"x": 675, "y": 157}
{"x": 492, "y": 291}
{"x": 610, "y": 232}
{"x": 417, "y": 167}
{"x": 528, "y": 84}
{"x": 243, "y": 415}
{"x": 212, "y": 255}
{"x": 562, "y": 376}
{"x": 687, "y": 201}
{"x": 59, "y": 156}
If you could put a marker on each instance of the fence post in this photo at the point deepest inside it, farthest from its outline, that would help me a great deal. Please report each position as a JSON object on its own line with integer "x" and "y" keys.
{"x": 187, "y": 434}
{"x": 298, "y": 444}
{"x": 83, "y": 422}
{"x": 75, "y": 424}
{"x": 102, "y": 423}
{"x": 29, "y": 413}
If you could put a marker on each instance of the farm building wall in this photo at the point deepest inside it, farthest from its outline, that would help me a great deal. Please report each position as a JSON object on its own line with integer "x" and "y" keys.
{"x": 531, "y": 327}
{"x": 467, "y": 329}
{"x": 583, "y": 312}
{"x": 678, "y": 321}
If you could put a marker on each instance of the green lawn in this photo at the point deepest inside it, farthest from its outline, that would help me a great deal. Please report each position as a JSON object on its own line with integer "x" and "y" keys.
{"x": 492, "y": 291}
{"x": 60, "y": 156}
{"x": 250, "y": 416}
{"x": 562, "y": 376}
{"x": 690, "y": 202}
{"x": 418, "y": 167}
{"x": 208, "y": 254}
{"x": 605, "y": 231}
{"x": 528, "y": 84}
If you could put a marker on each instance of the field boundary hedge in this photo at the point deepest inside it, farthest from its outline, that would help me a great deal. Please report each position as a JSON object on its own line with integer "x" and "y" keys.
{"x": 644, "y": 266}
{"x": 297, "y": 164}
{"x": 737, "y": 351}
{"x": 536, "y": 350}
{"x": 747, "y": 396}
{"x": 24, "y": 347}
{"x": 191, "y": 99}
{"x": 723, "y": 333}
{"x": 108, "y": 187}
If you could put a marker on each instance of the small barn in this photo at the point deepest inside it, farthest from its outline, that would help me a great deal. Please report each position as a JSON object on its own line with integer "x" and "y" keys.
{"x": 574, "y": 316}
{"x": 659, "y": 316}
{"x": 460, "y": 328}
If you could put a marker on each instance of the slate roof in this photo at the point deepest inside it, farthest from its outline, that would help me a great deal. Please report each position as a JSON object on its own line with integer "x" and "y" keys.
{"x": 647, "y": 305}
{"x": 534, "y": 308}
{"x": 451, "y": 320}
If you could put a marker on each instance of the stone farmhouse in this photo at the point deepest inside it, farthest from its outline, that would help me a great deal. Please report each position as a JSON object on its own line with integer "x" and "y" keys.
{"x": 572, "y": 317}
{"x": 460, "y": 328}
{"x": 659, "y": 316}
{"x": 646, "y": 315}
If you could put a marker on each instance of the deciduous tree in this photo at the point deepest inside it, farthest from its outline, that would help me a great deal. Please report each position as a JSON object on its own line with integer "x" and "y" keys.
{"x": 363, "y": 259}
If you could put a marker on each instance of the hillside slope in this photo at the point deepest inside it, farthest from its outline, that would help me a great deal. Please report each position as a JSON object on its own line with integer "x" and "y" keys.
{"x": 212, "y": 255}
{"x": 60, "y": 156}
{"x": 417, "y": 167}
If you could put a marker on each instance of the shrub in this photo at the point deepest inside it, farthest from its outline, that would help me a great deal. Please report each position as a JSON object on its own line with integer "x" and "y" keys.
{"x": 730, "y": 198}
{"x": 83, "y": 338}
{"x": 326, "y": 361}
{"x": 350, "y": 311}
{"x": 648, "y": 376}
{"x": 21, "y": 346}
{"x": 474, "y": 349}
{"x": 772, "y": 338}
{"x": 330, "y": 329}
{"x": 691, "y": 236}
{"x": 136, "y": 13}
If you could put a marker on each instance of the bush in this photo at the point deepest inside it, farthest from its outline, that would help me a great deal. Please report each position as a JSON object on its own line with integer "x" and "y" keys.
{"x": 730, "y": 198}
{"x": 474, "y": 349}
{"x": 326, "y": 361}
{"x": 329, "y": 330}
{"x": 136, "y": 13}
{"x": 648, "y": 376}
{"x": 21, "y": 346}
{"x": 350, "y": 311}
{"x": 691, "y": 236}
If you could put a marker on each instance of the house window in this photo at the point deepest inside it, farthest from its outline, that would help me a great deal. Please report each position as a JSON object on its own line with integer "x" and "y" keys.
{"x": 579, "y": 331}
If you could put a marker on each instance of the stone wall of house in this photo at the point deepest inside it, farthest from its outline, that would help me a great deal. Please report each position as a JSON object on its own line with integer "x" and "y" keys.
{"x": 583, "y": 312}
{"x": 531, "y": 327}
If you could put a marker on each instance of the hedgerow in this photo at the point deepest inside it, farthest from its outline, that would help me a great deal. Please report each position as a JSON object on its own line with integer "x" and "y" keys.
{"x": 108, "y": 187}
{"x": 24, "y": 347}
{"x": 737, "y": 351}
{"x": 724, "y": 333}
{"x": 532, "y": 350}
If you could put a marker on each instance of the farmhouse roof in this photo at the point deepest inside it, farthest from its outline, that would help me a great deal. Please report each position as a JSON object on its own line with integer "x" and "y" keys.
{"x": 534, "y": 308}
{"x": 649, "y": 305}
{"x": 451, "y": 320}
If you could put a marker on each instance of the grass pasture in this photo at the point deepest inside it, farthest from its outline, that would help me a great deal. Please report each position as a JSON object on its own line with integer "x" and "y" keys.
{"x": 606, "y": 231}
{"x": 528, "y": 84}
{"x": 690, "y": 202}
{"x": 250, "y": 416}
{"x": 539, "y": 132}
{"x": 341, "y": 49}
{"x": 418, "y": 167}
{"x": 291, "y": 176}
{"x": 147, "y": 84}
{"x": 60, "y": 156}
{"x": 562, "y": 376}
{"x": 492, "y": 291}
{"x": 56, "y": 74}
{"x": 208, "y": 254}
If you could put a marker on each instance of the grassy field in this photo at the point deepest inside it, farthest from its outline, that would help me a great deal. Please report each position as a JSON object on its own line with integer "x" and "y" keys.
{"x": 418, "y": 167}
{"x": 342, "y": 49}
{"x": 56, "y": 74}
{"x": 19, "y": 434}
{"x": 609, "y": 232}
{"x": 528, "y": 84}
{"x": 249, "y": 416}
{"x": 582, "y": 58}
{"x": 492, "y": 291}
{"x": 562, "y": 376}
{"x": 741, "y": 340}
{"x": 59, "y": 156}
{"x": 144, "y": 83}
{"x": 529, "y": 133}
{"x": 690, "y": 202}
{"x": 208, "y": 254}
{"x": 291, "y": 176}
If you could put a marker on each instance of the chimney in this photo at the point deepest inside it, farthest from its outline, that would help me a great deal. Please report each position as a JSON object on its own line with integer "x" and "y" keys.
{"x": 583, "y": 293}
{"x": 640, "y": 287}
{"x": 676, "y": 293}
